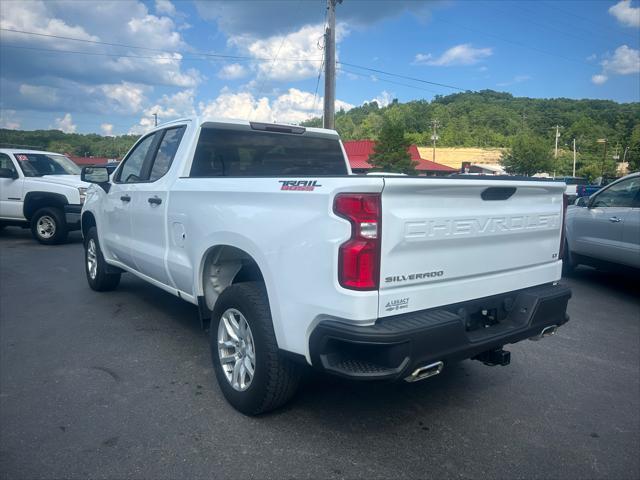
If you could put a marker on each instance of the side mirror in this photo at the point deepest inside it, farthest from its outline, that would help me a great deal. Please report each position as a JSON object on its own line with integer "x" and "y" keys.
{"x": 8, "y": 173}
{"x": 97, "y": 175}
{"x": 581, "y": 201}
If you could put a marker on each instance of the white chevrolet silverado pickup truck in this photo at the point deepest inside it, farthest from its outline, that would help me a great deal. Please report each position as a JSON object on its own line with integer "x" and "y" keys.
{"x": 293, "y": 261}
{"x": 41, "y": 190}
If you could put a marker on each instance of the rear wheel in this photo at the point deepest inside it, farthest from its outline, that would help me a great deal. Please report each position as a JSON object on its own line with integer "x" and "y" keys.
{"x": 48, "y": 226}
{"x": 98, "y": 276}
{"x": 253, "y": 375}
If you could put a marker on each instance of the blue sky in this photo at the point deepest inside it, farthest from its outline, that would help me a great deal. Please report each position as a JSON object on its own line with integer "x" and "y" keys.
{"x": 260, "y": 59}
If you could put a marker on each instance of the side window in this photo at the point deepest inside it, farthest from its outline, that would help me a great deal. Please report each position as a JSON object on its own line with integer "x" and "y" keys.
{"x": 166, "y": 152}
{"x": 621, "y": 194}
{"x": 132, "y": 170}
{"x": 6, "y": 163}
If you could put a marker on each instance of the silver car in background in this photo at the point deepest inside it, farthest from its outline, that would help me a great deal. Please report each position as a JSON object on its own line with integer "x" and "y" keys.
{"x": 606, "y": 226}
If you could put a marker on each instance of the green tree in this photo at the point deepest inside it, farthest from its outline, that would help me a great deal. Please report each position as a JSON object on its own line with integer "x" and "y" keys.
{"x": 391, "y": 153}
{"x": 528, "y": 155}
{"x": 633, "y": 155}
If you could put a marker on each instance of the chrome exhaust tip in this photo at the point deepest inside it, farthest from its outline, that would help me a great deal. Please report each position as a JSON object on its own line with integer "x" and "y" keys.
{"x": 546, "y": 332}
{"x": 427, "y": 371}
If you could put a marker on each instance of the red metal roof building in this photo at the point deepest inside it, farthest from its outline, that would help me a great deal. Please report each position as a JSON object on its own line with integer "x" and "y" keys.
{"x": 89, "y": 160}
{"x": 359, "y": 151}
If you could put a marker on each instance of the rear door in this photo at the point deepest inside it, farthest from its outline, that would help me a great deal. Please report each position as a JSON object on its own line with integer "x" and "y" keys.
{"x": 149, "y": 207}
{"x": 449, "y": 240}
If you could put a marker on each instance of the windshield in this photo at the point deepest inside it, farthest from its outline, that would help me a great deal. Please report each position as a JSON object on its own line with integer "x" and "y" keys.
{"x": 38, "y": 164}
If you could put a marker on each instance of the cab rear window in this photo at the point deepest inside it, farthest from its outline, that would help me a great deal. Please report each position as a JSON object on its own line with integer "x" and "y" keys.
{"x": 250, "y": 153}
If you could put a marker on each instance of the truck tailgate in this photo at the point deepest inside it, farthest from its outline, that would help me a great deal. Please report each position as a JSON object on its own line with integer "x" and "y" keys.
{"x": 450, "y": 240}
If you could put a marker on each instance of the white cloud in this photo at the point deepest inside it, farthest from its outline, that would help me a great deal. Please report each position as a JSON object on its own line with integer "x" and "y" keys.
{"x": 293, "y": 106}
{"x": 165, "y": 7}
{"x": 383, "y": 100}
{"x": 626, "y": 14}
{"x": 301, "y": 45}
{"x": 107, "y": 129}
{"x": 8, "y": 120}
{"x": 232, "y": 71}
{"x": 624, "y": 61}
{"x": 90, "y": 83}
{"x": 128, "y": 97}
{"x": 599, "y": 79}
{"x": 65, "y": 124}
{"x": 169, "y": 107}
{"x": 42, "y": 95}
{"x": 464, "y": 54}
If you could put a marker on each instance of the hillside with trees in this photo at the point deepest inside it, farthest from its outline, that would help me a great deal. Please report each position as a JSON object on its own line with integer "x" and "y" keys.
{"x": 470, "y": 119}
{"x": 89, "y": 145}
{"x": 493, "y": 119}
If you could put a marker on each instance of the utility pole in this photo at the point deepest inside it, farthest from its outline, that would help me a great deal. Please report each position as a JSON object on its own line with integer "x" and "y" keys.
{"x": 574, "y": 158}
{"x": 155, "y": 119}
{"x": 524, "y": 117}
{"x": 434, "y": 136}
{"x": 330, "y": 66}
{"x": 555, "y": 163}
{"x": 604, "y": 154}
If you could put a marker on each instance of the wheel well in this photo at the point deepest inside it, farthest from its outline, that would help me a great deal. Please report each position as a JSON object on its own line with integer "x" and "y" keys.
{"x": 34, "y": 201}
{"x": 88, "y": 221}
{"x": 223, "y": 266}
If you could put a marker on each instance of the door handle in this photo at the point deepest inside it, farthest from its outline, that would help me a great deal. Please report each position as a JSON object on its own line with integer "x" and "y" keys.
{"x": 154, "y": 200}
{"x": 125, "y": 198}
{"x": 615, "y": 219}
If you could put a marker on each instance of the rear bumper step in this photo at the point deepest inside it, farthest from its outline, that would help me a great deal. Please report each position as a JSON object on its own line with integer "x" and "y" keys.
{"x": 408, "y": 345}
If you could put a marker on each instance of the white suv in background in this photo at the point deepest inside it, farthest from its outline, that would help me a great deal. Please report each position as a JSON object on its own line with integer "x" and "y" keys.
{"x": 41, "y": 190}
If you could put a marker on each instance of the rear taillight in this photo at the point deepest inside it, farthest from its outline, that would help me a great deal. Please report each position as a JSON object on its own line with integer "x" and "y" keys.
{"x": 359, "y": 257}
{"x": 565, "y": 204}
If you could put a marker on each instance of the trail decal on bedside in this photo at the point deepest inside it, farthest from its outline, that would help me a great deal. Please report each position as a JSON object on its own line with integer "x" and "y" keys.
{"x": 299, "y": 185}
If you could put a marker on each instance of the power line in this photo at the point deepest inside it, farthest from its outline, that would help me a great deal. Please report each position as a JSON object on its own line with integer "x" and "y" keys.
{"x": 414, "y": 79}
{"x": 360, "y": 75}
{"x": 599, "y": 24}
{"x": 514, "y": 42}
{"x": 123, "y": 45}
{"x": 119, "y": 55}
{"x": 197, "y": 57}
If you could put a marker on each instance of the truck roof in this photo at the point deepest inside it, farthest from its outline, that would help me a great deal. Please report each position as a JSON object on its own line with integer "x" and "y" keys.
{"x": 203, "y": 120}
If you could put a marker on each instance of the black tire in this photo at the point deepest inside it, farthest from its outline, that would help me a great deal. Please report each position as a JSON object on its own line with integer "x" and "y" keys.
{"x": 102, "y": 280}
{"x": 275, "y": 378}
{"x": 49, "y": 227}
{"x": 568, "y": 261}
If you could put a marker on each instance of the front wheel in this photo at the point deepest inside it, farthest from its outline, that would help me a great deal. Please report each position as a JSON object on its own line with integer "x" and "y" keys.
{"x": 48, "y": 226}
{"x": 253, "y": 375}
{"x": 98, "y": 276}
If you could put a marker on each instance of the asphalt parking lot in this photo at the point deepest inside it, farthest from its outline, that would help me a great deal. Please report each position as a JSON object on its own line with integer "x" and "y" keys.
{"x": 119, "y": 385}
